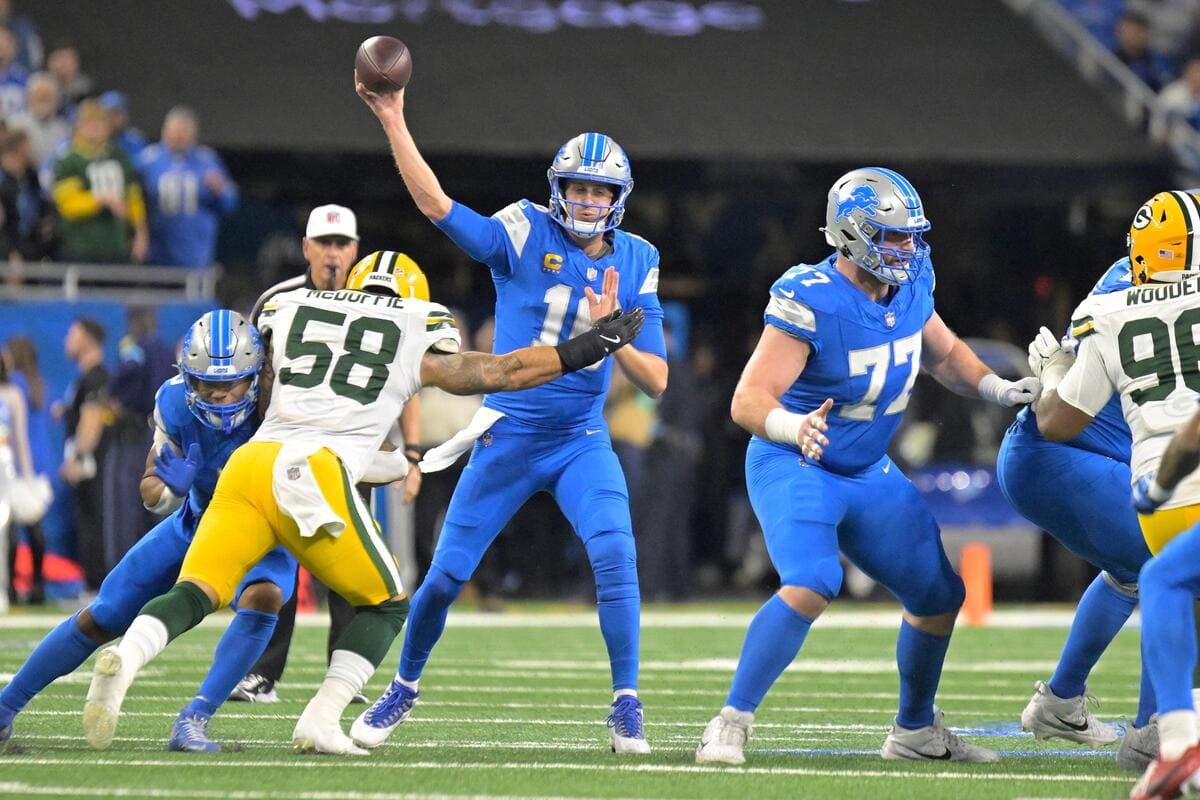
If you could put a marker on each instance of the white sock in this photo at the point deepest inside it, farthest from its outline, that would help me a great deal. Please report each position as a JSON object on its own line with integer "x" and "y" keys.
{"x": 408, "y": 684}
{"x": 351, "y": 668}
{"x": 1176, "y": 733}
{"x": 624, "y": 693}
{"x": 145, "y": 639}
{"x": 330, "y": 700}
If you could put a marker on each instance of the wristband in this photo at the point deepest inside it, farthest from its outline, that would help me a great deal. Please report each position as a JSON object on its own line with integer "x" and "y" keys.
{"x": 168, "y": 502}
{"x": 991, "y": 387}
{"x": 414, "y": 455}
{"x": 784, "y": 427}
{"x": 582, "y": 351}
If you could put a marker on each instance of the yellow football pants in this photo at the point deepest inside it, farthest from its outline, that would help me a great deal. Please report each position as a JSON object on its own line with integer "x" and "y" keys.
{"x": 1163, "y": 526}
{"x": 244, "y": 522}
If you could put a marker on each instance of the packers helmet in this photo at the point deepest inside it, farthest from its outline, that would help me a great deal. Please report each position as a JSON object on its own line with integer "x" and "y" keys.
{"x": 389, "y": 272}
{"x": 1162, "y": 240}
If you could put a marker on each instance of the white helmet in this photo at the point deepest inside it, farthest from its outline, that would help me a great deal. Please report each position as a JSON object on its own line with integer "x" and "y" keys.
{"x": 589, "y": 157}
{"x": 864, "y": 205}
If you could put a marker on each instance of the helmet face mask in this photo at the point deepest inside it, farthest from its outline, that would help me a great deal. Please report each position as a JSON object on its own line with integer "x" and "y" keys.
{"x": 595, "y": 158}
{"x": 221, "y": 347}
{"x": 875, "y": 219}
{"x": 1162, "y": 238}
{"x": 390, "y": 273}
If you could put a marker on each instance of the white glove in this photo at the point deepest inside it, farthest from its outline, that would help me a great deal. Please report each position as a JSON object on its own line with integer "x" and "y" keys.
{"x": 1009, "y": 393}
{"x": 1043, "y": 347}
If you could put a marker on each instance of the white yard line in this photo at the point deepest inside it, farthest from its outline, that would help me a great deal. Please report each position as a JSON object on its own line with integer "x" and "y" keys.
{"x": 317, "y": 763}
{"x": 27, "y": 790}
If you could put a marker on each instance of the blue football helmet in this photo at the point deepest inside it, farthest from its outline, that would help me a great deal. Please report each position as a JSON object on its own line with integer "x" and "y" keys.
{"x": 221, "y": 347}
{"x": 864, "y": 206}
{"x": 589, "y": 157}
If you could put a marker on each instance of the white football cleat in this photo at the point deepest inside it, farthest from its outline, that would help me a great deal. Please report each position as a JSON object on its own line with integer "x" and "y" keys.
{"x": 724, "y": 737}
{"x": 626, "y": 731}
{"x": 1139, "y": 746}
{"x": 932, "y": 743}
{"x": 312, "y": 735}
{"x": 110, "y": 681}
{"x": 1048, "y": 716}
{"x": 373, "y": 726}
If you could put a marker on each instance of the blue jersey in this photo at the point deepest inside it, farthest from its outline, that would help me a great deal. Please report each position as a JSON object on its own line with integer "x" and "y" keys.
{"x": 12, "y": 90}
{"x": 540, "y": 275}
{"x": 184, "y": 212}
{"x": 1107, "y": 434}
{"x": 864, "y": 354}
{"x": 173, "y": 416}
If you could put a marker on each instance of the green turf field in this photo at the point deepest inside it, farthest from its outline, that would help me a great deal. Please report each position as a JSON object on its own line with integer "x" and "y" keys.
{"x": 513, "y": 705}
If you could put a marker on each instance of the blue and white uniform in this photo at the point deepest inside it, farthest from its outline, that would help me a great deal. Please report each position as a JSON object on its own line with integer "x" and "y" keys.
{"x": 865, "y": 355}
{"x": 551, "y": 438}
{"x": 151, "y": 567}
{"x": 1078, "y": 491}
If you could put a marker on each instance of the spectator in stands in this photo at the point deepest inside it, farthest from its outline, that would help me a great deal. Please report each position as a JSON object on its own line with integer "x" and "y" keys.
{"x": 84, "y": 415}
{"x": 1098, "y": 16}
{"x": 1180, "y": 100}
{"x": 20, "y": 357}
{"x": 13, "y": 76}
{"x": 98, "y": 196}
{"x": 26, "y": 214}
{"x": 40, "y": 119}
{"x": 1134, "y": 51}
{"x": 145, "y": 363}
{"x": 189, "y": 190}
{"x": 29, "y": 44}
{"x": 128, "y": 138}
{"x": 1173, "y": 24}
{"x": 73, "y": 84}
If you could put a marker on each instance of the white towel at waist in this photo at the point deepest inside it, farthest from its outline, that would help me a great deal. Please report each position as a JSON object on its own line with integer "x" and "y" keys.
{"x": 445, "y": 454}
{"x": 299, "y": 495}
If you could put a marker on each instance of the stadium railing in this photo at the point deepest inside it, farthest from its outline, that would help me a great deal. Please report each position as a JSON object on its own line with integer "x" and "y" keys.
{"x": 1101, "y": 68}
{"x": 126, "y": 283}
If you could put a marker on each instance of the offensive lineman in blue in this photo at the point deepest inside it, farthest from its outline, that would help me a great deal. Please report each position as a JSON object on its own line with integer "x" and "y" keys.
{"x": 1087, "y": 508}
{"x": 548, "y": 265}
{"x": 846, "y": 337}
{"x": 201, "y": 417}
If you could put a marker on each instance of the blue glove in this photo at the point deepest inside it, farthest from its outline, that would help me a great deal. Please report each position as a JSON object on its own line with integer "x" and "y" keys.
{"x": 176, "y": 471}
{"x": 1147, "y": 496}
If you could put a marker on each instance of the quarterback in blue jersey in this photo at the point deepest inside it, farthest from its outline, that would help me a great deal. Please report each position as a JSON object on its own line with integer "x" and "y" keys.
{"x": 1087, "y": 508}
{"x": 188, "y": 190}
{"x": 552, "y": 267}
{"x": 823, "y": 394}
{"x": 201, "y": 417}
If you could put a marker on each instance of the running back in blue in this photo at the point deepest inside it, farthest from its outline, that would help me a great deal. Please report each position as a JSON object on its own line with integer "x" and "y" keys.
{"x": 172, "y": 415}
{"x": 864, "y": 355}
{"x": 540, "y": 276}
{"x": 1107, "y": 434}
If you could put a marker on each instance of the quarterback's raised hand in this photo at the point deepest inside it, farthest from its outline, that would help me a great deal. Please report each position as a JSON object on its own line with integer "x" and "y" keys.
{"x": 175, "y": 471}
{"x": 384, "y": 105}
{"x": 600, "y": 306}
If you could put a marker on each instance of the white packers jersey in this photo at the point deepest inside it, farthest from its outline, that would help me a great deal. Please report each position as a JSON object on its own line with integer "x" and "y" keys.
{"x": 345, "y": 364}
{"x": 1143, "y": 342}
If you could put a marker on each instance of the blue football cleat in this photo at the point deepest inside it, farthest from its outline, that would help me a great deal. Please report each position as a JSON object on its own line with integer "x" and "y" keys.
{"x": 189, "y": 734}
{"x": 374, "y": 725}
{"x": 627, "y": 735}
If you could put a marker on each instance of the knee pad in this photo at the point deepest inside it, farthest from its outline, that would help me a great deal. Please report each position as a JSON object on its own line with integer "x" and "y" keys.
{"x": 939, "y": 597}
{"x": 1127, "y": 588}
{"x": 614, "y": 565}
{"x": 823, "y": 576}
{"x": 441, "y": 586}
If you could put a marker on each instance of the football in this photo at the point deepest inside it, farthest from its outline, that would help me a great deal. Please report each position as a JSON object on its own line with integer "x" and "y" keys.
{"x": 383, "y": 64}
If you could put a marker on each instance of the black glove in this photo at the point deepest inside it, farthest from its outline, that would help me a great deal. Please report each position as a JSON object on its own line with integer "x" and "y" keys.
{"x": 607, "y": 335}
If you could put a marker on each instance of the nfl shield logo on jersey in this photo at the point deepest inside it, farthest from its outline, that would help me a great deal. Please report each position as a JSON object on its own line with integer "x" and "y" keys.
{"x": 592, "y": 272}
{"x": 293, "y": 473}
{"x": 890, "y": 319}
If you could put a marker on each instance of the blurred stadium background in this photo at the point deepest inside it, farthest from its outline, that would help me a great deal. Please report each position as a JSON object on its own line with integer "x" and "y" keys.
{"x": 1030, "y": 139}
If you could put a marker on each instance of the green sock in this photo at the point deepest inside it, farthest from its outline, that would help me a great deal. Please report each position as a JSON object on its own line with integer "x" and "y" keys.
{"x": 371, "y": 633}
{"x": 180, "y": 609}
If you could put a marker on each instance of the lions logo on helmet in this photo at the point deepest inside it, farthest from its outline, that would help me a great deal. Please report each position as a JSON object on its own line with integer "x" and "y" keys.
{"x": 221, "y": 347}
{"x": 1162, "y": 238}
{"x": 589, "y": 157}
{"x": 389, "y": 272}
{"x": 867, "y": 204}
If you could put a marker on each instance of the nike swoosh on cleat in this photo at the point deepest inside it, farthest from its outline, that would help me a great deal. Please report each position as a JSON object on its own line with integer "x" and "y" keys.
{"x": 945, "y": 756}
{"x": 1073, "y": 726}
